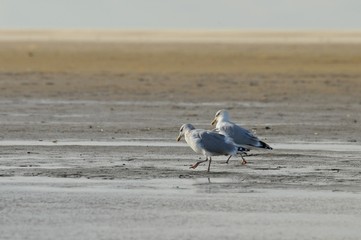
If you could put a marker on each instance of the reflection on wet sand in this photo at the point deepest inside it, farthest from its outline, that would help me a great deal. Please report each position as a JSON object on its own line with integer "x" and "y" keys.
{"x": 158, "y": 142}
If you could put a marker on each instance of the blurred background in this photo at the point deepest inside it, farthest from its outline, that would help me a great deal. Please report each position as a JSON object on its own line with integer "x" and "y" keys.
{"x": 136, "y": 50}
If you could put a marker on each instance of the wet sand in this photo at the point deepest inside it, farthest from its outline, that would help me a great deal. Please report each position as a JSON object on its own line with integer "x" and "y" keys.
{"x": 88, "y": 128}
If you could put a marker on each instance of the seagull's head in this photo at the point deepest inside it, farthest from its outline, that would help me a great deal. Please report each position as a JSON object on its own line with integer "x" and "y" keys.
{"x": 183, "y": 129}
{"x": 220, "y": 115}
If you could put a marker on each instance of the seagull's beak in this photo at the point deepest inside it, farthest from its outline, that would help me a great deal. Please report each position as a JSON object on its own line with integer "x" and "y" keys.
{"x": 179, "y": 138}
{"x": 214, "y": 121}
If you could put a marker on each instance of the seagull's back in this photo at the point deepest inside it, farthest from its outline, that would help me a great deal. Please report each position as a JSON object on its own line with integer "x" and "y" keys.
{"x": 210, "y": 143}
{"x": 240, "y": 135}
{"x": 217, "y": 144}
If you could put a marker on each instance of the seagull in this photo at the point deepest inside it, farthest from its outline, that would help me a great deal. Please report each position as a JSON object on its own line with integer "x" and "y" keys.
{"x": 208, "y": 143}
{"x": 238, "y": 134}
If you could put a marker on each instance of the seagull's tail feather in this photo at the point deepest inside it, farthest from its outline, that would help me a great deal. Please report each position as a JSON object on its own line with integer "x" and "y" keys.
{"x": 265, "y": 145}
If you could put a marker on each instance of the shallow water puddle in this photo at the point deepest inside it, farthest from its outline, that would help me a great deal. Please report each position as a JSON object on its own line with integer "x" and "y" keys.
{"x": 96, "y": 185}
{"x": 122, "y": 143}
{"x": 321, "y": 146}
{"x": 173, "y": 186}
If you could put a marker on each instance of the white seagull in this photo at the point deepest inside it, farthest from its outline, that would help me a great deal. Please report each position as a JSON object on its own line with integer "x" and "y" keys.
{"x": 238, "y": 134}
{"x": 208, "y": 143}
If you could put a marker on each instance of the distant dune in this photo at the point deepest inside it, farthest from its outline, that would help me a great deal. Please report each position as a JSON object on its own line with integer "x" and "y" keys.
{"x": 144, "y": 65}
{"x": 230, "y": 36}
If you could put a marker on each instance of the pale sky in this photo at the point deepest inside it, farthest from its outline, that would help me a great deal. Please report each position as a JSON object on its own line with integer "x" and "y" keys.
{"x": 182, "y": 14}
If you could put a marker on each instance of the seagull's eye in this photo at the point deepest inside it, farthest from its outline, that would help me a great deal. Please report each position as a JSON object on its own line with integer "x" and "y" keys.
{"x": 181, "y": 130}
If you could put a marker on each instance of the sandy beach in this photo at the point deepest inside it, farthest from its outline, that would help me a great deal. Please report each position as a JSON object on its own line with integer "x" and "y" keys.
{"x": 89, "y": 121}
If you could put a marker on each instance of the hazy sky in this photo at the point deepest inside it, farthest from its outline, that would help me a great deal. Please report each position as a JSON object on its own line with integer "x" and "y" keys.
{"x": 181, "y": 14}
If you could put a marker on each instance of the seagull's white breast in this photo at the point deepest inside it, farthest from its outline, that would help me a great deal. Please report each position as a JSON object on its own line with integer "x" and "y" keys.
{"x": 193, "y": 140}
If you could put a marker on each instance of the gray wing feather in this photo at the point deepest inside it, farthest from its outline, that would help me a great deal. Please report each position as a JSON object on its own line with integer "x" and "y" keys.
{"x": 216, "y": 143}
{"x": 240, "y": 135}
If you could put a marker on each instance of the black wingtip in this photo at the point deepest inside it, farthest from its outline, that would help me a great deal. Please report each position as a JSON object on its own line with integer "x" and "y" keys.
{"x": 266, "y": 146}
{"x": 242, "y": 149}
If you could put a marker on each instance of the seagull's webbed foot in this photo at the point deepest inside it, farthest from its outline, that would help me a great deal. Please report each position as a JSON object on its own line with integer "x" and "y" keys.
{"x": 244, "y": 162}
{"x": 194, "y": 166}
